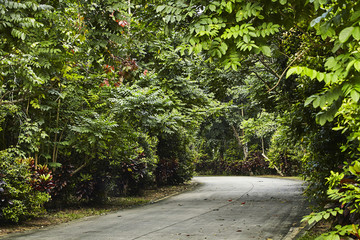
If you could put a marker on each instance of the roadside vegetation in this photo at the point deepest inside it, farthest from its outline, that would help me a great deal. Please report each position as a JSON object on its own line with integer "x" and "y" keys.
{"x": 102, "y": 99}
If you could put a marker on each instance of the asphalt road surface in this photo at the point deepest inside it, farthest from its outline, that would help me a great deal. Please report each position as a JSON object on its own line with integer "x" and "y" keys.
{"x": 241, "y": 208}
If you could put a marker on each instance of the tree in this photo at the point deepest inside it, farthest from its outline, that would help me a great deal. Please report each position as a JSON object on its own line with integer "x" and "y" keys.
{"x": 275, "y": 35}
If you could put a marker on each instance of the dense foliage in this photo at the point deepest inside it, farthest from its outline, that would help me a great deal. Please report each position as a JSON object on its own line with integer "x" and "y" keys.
{"x": 94, "y": 91}
{"x": 310, "y": 50}
{"x": 102, "y": 98}
{"x": 23, "y": 189}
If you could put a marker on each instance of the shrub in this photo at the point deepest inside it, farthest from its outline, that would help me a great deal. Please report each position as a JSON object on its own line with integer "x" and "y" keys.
{"x": 284, "y": 155}
{"x": 18, "y": 200}
{"x": 255, "y": 164}
{"x": 133, "y": 177}
{"x": 344, "y": 192}
{"x": 175, "y": 164}
{"x": 63, "y": 183}
{"x": 41, "y": 177}
{"x": 166, "y": 171}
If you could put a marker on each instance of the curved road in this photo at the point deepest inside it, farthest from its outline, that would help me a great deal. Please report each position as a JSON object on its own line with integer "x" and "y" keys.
{"x": 240, "y": 208}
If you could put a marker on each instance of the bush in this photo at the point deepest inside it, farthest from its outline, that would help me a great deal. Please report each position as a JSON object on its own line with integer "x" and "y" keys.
{"x": 285, "y": 156}
{"x": 175, "y": 164}
{"x": 344, "y": 193}
{"x": 18, "y": 200}
{"x": 167, "y": 172}
{"x": 255, "y": 164}
{"x": 63, "y": 183}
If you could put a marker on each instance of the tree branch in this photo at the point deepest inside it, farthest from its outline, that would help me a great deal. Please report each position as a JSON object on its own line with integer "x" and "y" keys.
{"x": 287, "y": 68}
{"x": 12, "y": 102}
{"x": 261, "y": 79}
{"x": 269, "y": 68}
{"x": 7, "y": 93}
{"x": 78, "y": 169}
{"x": 277, "y": 170}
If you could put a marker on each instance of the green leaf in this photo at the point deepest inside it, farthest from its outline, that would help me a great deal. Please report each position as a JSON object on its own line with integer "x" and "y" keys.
{"x": 223, "y": 48}
{"x": 350, "y": 64}
{"x": 355, "y": 16}
{"x": 291, "y": 71}
{"x": 357, "y": 65}
{"x": 331, "y": 62}
{"x": 54, "y": 164}
{"x": 234, "y": 67}
{"x": 314, "y": 74}
{"x": 337, "y": 46}
{"x": 355, "y": 95}
{"x": 212, "y": 7}
{"x": 309, "y": 100}
{"x": 310, "y": 73}
{"x": 160, "y": 8}
{"x": 356, "y": 167}
{"x": 332, "y": 236}
{"x": 266, "y": 50}
{"x": 229, "y": 7}
{"x": 315, "y": 218}
{"x": 321, "y": 121}
{"x": 345, "y": 34}
{"x": 316, "y": 102}
{"x": 247, "y": 38}
{"x": 356, "y": 33}
{"x": 323, "y": 101}
{"x": 337, "y": 129}
{"x": 320, "y": 76}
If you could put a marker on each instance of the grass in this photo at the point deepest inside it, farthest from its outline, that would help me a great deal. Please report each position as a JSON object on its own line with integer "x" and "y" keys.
{"x": 54, "y": 217}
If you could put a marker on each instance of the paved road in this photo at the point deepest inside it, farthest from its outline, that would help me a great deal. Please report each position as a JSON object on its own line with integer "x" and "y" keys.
{"x": 241, "y": 208}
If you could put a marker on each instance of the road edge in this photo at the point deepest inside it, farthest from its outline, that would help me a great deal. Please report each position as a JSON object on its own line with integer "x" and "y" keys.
{"x": 297, "y": 232}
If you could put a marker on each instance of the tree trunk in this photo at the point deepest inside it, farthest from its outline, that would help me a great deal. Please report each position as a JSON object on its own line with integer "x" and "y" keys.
{"x": 277, "y": 170}
{"x": 54, "y": 158}
{"x": 245, "y": 146}
{"x": 36, "y": 160}
{"x": 241, "y": 145}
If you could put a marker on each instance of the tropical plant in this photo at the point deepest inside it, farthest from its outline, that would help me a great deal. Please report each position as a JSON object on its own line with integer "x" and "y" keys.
{"x": 20, "y": 197}
{"x": 344, "y": 192}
